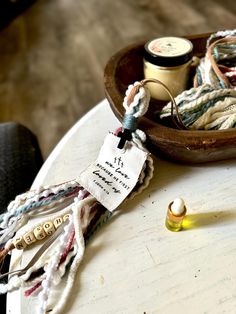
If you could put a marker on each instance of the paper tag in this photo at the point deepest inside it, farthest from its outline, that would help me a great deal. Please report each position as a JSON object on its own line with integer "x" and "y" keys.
{"x": 115, "y": 172}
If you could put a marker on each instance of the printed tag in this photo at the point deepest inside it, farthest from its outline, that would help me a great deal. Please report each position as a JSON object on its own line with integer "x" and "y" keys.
{"x": 115, "y": 172}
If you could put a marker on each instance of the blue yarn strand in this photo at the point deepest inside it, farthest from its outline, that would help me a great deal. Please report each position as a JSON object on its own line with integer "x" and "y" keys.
{"x": 130, "y": 122}
{"x": 25, "y": 208}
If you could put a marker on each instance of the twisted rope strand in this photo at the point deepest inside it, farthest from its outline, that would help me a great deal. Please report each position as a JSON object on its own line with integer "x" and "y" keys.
{"x": 210, "y": 103}
{"x": 69, "y": 248}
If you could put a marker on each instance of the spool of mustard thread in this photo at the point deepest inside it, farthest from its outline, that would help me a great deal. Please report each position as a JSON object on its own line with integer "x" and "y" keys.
{"x": 175, "y": 215}
{"x": 168, "y": 60}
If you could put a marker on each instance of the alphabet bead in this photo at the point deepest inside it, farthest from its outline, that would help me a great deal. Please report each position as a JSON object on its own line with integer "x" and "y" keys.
{"x": 65, "y": 217}
{"x": 57, "y": 222}
{"x": 39, "y": 233}
{"x": 49, "y": 227}
{"x": 19, "y": 243}
{"x": 29, "y": 237}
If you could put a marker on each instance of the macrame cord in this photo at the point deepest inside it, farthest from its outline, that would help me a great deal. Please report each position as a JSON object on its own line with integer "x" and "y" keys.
{"x": 69, "y": 217}
{"x": 211, "y": 103}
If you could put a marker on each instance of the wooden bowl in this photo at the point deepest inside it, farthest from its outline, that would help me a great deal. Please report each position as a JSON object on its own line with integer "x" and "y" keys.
{"x": 126, "y": 67}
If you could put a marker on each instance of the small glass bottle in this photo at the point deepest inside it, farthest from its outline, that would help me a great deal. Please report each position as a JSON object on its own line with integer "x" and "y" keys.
{"x": 175, "y": 215}
{"x": 168, "y": 60}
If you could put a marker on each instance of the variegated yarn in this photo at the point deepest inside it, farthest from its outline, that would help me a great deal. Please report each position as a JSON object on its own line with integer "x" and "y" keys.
{"x": 211, "y": 103}
{"x": 61, "y": 256}
{"x": 136, "y": 104}
{"x": 206, "y": 108}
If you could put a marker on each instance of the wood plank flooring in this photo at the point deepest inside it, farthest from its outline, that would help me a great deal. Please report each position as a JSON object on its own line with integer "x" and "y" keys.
{"x": 52, "y": 56}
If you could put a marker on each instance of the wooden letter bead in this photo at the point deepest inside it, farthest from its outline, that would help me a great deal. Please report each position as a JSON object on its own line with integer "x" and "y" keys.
{"x": 29, "y": 237}
{"x": 57, "y": 222}
{"x": 19, "y": 243}
{"x": 49, "y": 227}
{"x": 65, "y": 217}
{"x": 39, "y": 233}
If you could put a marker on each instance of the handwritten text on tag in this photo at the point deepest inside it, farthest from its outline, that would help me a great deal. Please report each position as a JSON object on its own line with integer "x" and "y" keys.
{"x": 115, "y": 173}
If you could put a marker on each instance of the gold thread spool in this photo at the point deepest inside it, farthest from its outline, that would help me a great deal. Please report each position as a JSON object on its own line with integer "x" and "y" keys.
{"x": 174, "y": 222}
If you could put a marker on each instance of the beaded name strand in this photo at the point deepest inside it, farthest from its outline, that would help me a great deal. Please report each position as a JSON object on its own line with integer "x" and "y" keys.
{"x": 39, "y": 233}
{"x": 68, "y": 251}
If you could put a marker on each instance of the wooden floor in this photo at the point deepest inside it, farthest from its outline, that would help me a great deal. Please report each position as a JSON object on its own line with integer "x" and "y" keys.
{"x": 53, "y": 55}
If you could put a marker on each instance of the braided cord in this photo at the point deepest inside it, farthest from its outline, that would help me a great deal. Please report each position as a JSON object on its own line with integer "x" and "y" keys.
{"x": 210, "y": 104}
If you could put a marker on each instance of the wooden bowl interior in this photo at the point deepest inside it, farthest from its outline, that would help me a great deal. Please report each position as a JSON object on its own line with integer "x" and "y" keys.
{"x": 126, "y": 67}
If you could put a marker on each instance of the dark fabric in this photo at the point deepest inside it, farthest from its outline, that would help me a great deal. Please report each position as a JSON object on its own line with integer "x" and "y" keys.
{"x": 20, "y": 160}
{"x": 9, "y": 9}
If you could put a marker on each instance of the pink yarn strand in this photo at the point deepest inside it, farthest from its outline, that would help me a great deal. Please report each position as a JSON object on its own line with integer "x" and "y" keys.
{"x": 67, "y": 250}
{"x": 32, "y": 289}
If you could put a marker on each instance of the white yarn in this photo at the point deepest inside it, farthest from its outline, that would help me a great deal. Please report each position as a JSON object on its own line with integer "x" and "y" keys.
{"x": 191, "y": 94}
{"x": 52, "y": 208}
{"x": 139, "y": 137}
{"x": 59, "y": 308}
{"x": 213, "y": 113}
{"x": 141, "y": 101}
{"x": 206, "y": 69}
{"x": 52, "y": 267}
{"x": 229, "y": 74}
{"x": 137, "y": 108}
{"x": 52, "y": 274}
{"x": 15, "y": 282}
{"x": 17, "y": 222}
{"x": 63, "y": 266}
{"x": 229, "y": 122}
{"x": 198, "y": 101}
{"x": 57, "y": 275}
{"x": 32, "y": 196}
{"x": 225, "y": 33}
{"x": 9, "y": 232}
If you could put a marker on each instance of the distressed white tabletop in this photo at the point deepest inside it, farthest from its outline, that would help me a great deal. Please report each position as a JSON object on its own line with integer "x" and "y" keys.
{"x": 134, "y": 264}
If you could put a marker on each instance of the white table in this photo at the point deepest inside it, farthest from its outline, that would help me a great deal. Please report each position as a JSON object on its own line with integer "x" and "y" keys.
{"x": 134, "y": 264}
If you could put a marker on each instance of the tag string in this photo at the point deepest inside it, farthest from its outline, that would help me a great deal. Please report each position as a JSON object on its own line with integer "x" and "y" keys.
{"x": 176, "y": 118}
